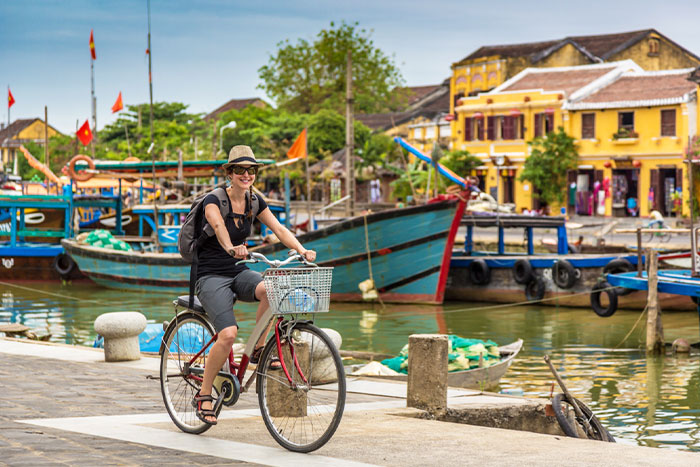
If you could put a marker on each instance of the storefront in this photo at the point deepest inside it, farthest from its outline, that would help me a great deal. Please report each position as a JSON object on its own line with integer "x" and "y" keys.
{"x": 665, "y": 189}
{"x": 625, "y": 192}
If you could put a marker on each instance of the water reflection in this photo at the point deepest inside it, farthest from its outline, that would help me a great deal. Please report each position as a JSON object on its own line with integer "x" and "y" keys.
{"x": 646, "y": 401}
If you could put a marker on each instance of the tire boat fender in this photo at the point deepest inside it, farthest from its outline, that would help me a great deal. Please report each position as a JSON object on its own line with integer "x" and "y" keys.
{"x": 479, "y": 272}
{"x": 598, "y": 289}
{"x": 565, "y": 424}
{"x": 534, "y": 290}
{"x": 563, "y": 274}
{"x": 522, "y": 271}
{"x": 618, "y": 266}
{"x": 64, "y": 265}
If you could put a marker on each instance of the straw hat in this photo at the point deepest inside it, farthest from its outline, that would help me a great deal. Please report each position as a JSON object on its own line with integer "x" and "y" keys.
{"x": 241, "y": 155}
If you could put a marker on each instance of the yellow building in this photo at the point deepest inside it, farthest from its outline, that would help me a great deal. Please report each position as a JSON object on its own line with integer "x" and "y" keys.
{"x": 19, "y": 132}
{"x": 489, "y": 66}
{"x": 630, "y": 126}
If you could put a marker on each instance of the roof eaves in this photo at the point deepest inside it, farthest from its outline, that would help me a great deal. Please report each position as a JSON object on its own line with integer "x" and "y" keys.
{"x": 629, "y": 104}
{"x": 550, "y": 50}
{"x": 608, "y": 78}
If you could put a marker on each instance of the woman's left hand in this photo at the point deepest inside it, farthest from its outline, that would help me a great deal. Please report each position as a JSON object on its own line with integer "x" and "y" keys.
{"x": 309, "y": 255}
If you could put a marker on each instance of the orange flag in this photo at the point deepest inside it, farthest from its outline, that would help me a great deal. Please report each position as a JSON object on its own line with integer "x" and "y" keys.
{"x": 118, "y": 105}
{"x": 84, "y": 134}
{"x": 92, "y": 46}
{"x": 298, "y": 149}
{"x": 10, "y": 98}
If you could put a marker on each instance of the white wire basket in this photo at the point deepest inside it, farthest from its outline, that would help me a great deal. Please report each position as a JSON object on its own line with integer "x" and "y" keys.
{"x": 298, "y": 290}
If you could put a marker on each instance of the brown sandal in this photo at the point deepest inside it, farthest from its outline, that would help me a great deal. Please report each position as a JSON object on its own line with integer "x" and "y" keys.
{"x": 275, "y": 363}
{"x": 202, "y": 414}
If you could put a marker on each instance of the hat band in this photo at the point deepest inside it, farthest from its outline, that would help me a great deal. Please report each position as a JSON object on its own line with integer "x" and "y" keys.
{"x": 238, "y": 160}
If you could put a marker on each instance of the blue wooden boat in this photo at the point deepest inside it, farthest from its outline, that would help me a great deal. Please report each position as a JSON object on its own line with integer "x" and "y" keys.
{"x": 409, "y": 248}
{"x": 563, "y": 278}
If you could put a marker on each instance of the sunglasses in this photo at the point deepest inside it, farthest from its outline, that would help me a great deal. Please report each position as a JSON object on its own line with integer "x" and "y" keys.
{"x": 240, "y": 170}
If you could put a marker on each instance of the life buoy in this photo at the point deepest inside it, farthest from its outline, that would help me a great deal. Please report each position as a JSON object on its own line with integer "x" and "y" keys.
{"x": 534, "y": 290}
{"x": 563, "y": 274}
{"x": 64, "y": 265}
{"x": 522, "y": 271}
{"x": 479, "y": 272}
{"x": 619, "y": 266}
{"x": 598, "y": 289}
{"x": 81, "y": 176}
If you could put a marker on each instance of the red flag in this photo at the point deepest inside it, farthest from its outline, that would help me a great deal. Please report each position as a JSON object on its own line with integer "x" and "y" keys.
{"x": 298, "y": 149}
{"x": 84, "y": 134}
{"x": 92, "y": 46}
{"x": 10, "y": 98}
{"x": 118, "y": 105}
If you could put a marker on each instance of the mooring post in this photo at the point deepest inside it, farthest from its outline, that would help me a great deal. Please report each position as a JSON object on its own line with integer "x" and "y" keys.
{"x": 655, "y": 329}
{"x": 427, "y": 372}
{"x": 639, "y": 252}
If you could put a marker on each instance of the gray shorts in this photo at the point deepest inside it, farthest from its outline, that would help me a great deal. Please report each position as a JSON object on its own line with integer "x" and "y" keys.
{"x": 216, "y": 295}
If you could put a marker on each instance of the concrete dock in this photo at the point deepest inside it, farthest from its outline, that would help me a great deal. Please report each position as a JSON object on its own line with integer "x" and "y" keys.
{"x": 63, "y": 405}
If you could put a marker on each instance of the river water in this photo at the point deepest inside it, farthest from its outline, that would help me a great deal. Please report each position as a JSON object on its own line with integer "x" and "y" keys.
{"x": 644, "y": 401}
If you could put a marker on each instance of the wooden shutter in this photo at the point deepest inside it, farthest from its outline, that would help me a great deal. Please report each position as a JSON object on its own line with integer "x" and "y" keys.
{"x": 508, "y": 127}
{"x": 480, "y": 128}
{"x": 668, "y": 122}
{"x": 550, "y": 122}
{"x": 468, "y": 125}
{"x": 656, "y": 185}
{"x": 588, "y": 126}
{"x": 521, "y": 133}
{"x": 538, "y": 125}
{"x": 491, "y": 129}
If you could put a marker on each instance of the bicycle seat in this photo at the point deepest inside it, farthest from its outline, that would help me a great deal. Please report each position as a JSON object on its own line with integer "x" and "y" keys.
{"x": 184, "y": 301}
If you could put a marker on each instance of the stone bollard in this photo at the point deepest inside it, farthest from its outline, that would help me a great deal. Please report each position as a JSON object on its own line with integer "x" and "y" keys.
{"x": 282, "y": 400}
{"x": 427, "y": 372}
{"x": 120, "y": 331}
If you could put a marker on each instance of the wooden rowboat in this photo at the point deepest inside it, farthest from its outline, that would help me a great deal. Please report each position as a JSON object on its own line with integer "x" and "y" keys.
{"x": 476, "y": 378}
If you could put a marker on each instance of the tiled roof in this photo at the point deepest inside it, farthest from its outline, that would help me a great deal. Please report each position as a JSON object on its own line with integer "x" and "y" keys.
{"x": 236, "y": 104}
{"x": 645, "y": 86}
{"x": 382, "y": 121}
{"x": 419, "y": 92}
{"x": 15, "y": 127}
{"x": 596, "y": 47}
{"x": 568, "y": 79}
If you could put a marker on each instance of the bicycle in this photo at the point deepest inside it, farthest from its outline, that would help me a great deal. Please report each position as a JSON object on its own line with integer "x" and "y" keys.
{"x": 660, "y": 234}
{"x": 302, "y": 400}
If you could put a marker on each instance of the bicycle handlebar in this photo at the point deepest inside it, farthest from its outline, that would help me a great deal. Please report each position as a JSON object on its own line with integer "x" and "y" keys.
{"x": 275, "y": 263}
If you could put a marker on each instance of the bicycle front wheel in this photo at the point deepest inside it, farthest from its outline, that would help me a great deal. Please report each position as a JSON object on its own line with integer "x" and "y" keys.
{"x": 302, "y": 415}
{"x": 180, "y": 376}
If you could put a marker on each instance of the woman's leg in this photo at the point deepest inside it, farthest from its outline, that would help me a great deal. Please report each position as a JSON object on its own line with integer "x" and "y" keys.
{"x": 264, "y": 304}
{"x": 218, "y": 354}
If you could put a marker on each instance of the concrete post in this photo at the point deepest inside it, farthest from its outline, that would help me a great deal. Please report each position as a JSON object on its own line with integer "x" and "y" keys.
{"x": 282, "y": 400}
{"x": 120, "y": 331}
{"x": 427, "y": 372}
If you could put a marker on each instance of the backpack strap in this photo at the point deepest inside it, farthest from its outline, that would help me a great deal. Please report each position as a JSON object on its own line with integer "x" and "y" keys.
{"x": 254, "y": 203}
{"x": 207, "y": 231}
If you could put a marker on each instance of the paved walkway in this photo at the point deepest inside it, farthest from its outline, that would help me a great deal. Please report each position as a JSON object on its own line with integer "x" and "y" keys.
{"x": 63, "y": 405}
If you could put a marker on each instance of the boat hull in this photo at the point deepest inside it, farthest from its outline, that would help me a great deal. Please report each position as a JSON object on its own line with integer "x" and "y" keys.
{"x": 408, "y": 249}
{"x": 131, "y": 270}
{"x": 504, "y": 289}
{"x": 32, "y": 262}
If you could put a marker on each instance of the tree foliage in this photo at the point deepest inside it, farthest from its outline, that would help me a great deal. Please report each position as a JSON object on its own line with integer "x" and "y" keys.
{"x": 461, "y": 162}
{"x": 308, "y": 76}
{"x": 546, "y": 167}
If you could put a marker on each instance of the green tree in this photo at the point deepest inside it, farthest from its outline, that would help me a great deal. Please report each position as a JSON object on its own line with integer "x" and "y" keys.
{"x": 461, "y": 162}
{"x": 308, "y": 76}
{"x": 546, "y": 166}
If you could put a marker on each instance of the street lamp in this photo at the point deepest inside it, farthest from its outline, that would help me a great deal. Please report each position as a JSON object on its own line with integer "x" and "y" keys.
{"x": 231, "y": 125}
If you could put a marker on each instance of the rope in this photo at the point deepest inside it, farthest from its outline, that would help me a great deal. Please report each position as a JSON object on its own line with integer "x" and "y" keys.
{"x": 53, "y": 294}
{"x": 369, "y": 260}
{"x": 633, "y": 327}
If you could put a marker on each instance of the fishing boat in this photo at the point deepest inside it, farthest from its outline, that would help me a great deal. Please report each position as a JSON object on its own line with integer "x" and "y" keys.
{"x": 476, "y": 378}
{"x": 376, "y": 245}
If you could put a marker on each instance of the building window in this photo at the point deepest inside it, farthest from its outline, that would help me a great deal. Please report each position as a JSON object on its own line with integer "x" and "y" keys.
{"x": 479, "y": 127}
{"x": 468, "y": 129}
{"x": 430, "y": 132}
{"x": 625, "y": 121}
{"x": 653, "y": 47}
{"x": 457, "y": 97}
{"x": 668, "y": 122}
{"x": 474, "y": 129}
{"x": 445, "y": 131}
{"x": 588, "y": 126}
{"x": 492, "y": 128}
{"x": 544, "y": 123}
{"x": 417, "y": 133}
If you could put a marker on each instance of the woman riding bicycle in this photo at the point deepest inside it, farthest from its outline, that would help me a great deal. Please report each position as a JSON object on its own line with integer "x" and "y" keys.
{"x": 218, "y": 275}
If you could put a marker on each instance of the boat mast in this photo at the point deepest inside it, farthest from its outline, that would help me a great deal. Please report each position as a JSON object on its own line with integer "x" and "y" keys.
{"x": 349, "y": 141}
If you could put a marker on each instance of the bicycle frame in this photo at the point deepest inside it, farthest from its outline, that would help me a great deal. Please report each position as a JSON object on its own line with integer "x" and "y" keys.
{"x": 239, "y": 369}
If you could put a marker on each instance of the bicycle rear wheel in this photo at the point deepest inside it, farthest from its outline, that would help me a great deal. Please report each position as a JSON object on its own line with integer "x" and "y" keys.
{"x": 177, "y": 383}
{"x": 302, "y": 416}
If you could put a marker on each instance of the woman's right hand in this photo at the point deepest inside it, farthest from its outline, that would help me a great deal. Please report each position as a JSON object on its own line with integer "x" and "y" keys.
{"x": 239, "y": 251}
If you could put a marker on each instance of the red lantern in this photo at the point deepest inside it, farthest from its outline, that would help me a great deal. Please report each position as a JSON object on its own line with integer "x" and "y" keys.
{"x": 637, "y": 163}
{"x": 607, "y": 164}
{"x": 449, "y": 117}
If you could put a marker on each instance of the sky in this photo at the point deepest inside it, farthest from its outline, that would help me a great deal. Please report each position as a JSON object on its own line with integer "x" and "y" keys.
{"x": 206, "y": 52}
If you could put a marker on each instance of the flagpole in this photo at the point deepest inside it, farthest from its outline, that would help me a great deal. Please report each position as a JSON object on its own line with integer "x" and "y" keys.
{"x": 308, "y": 180}
{"x": 8, "y": 105}
{"x": 94, "y": 106}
